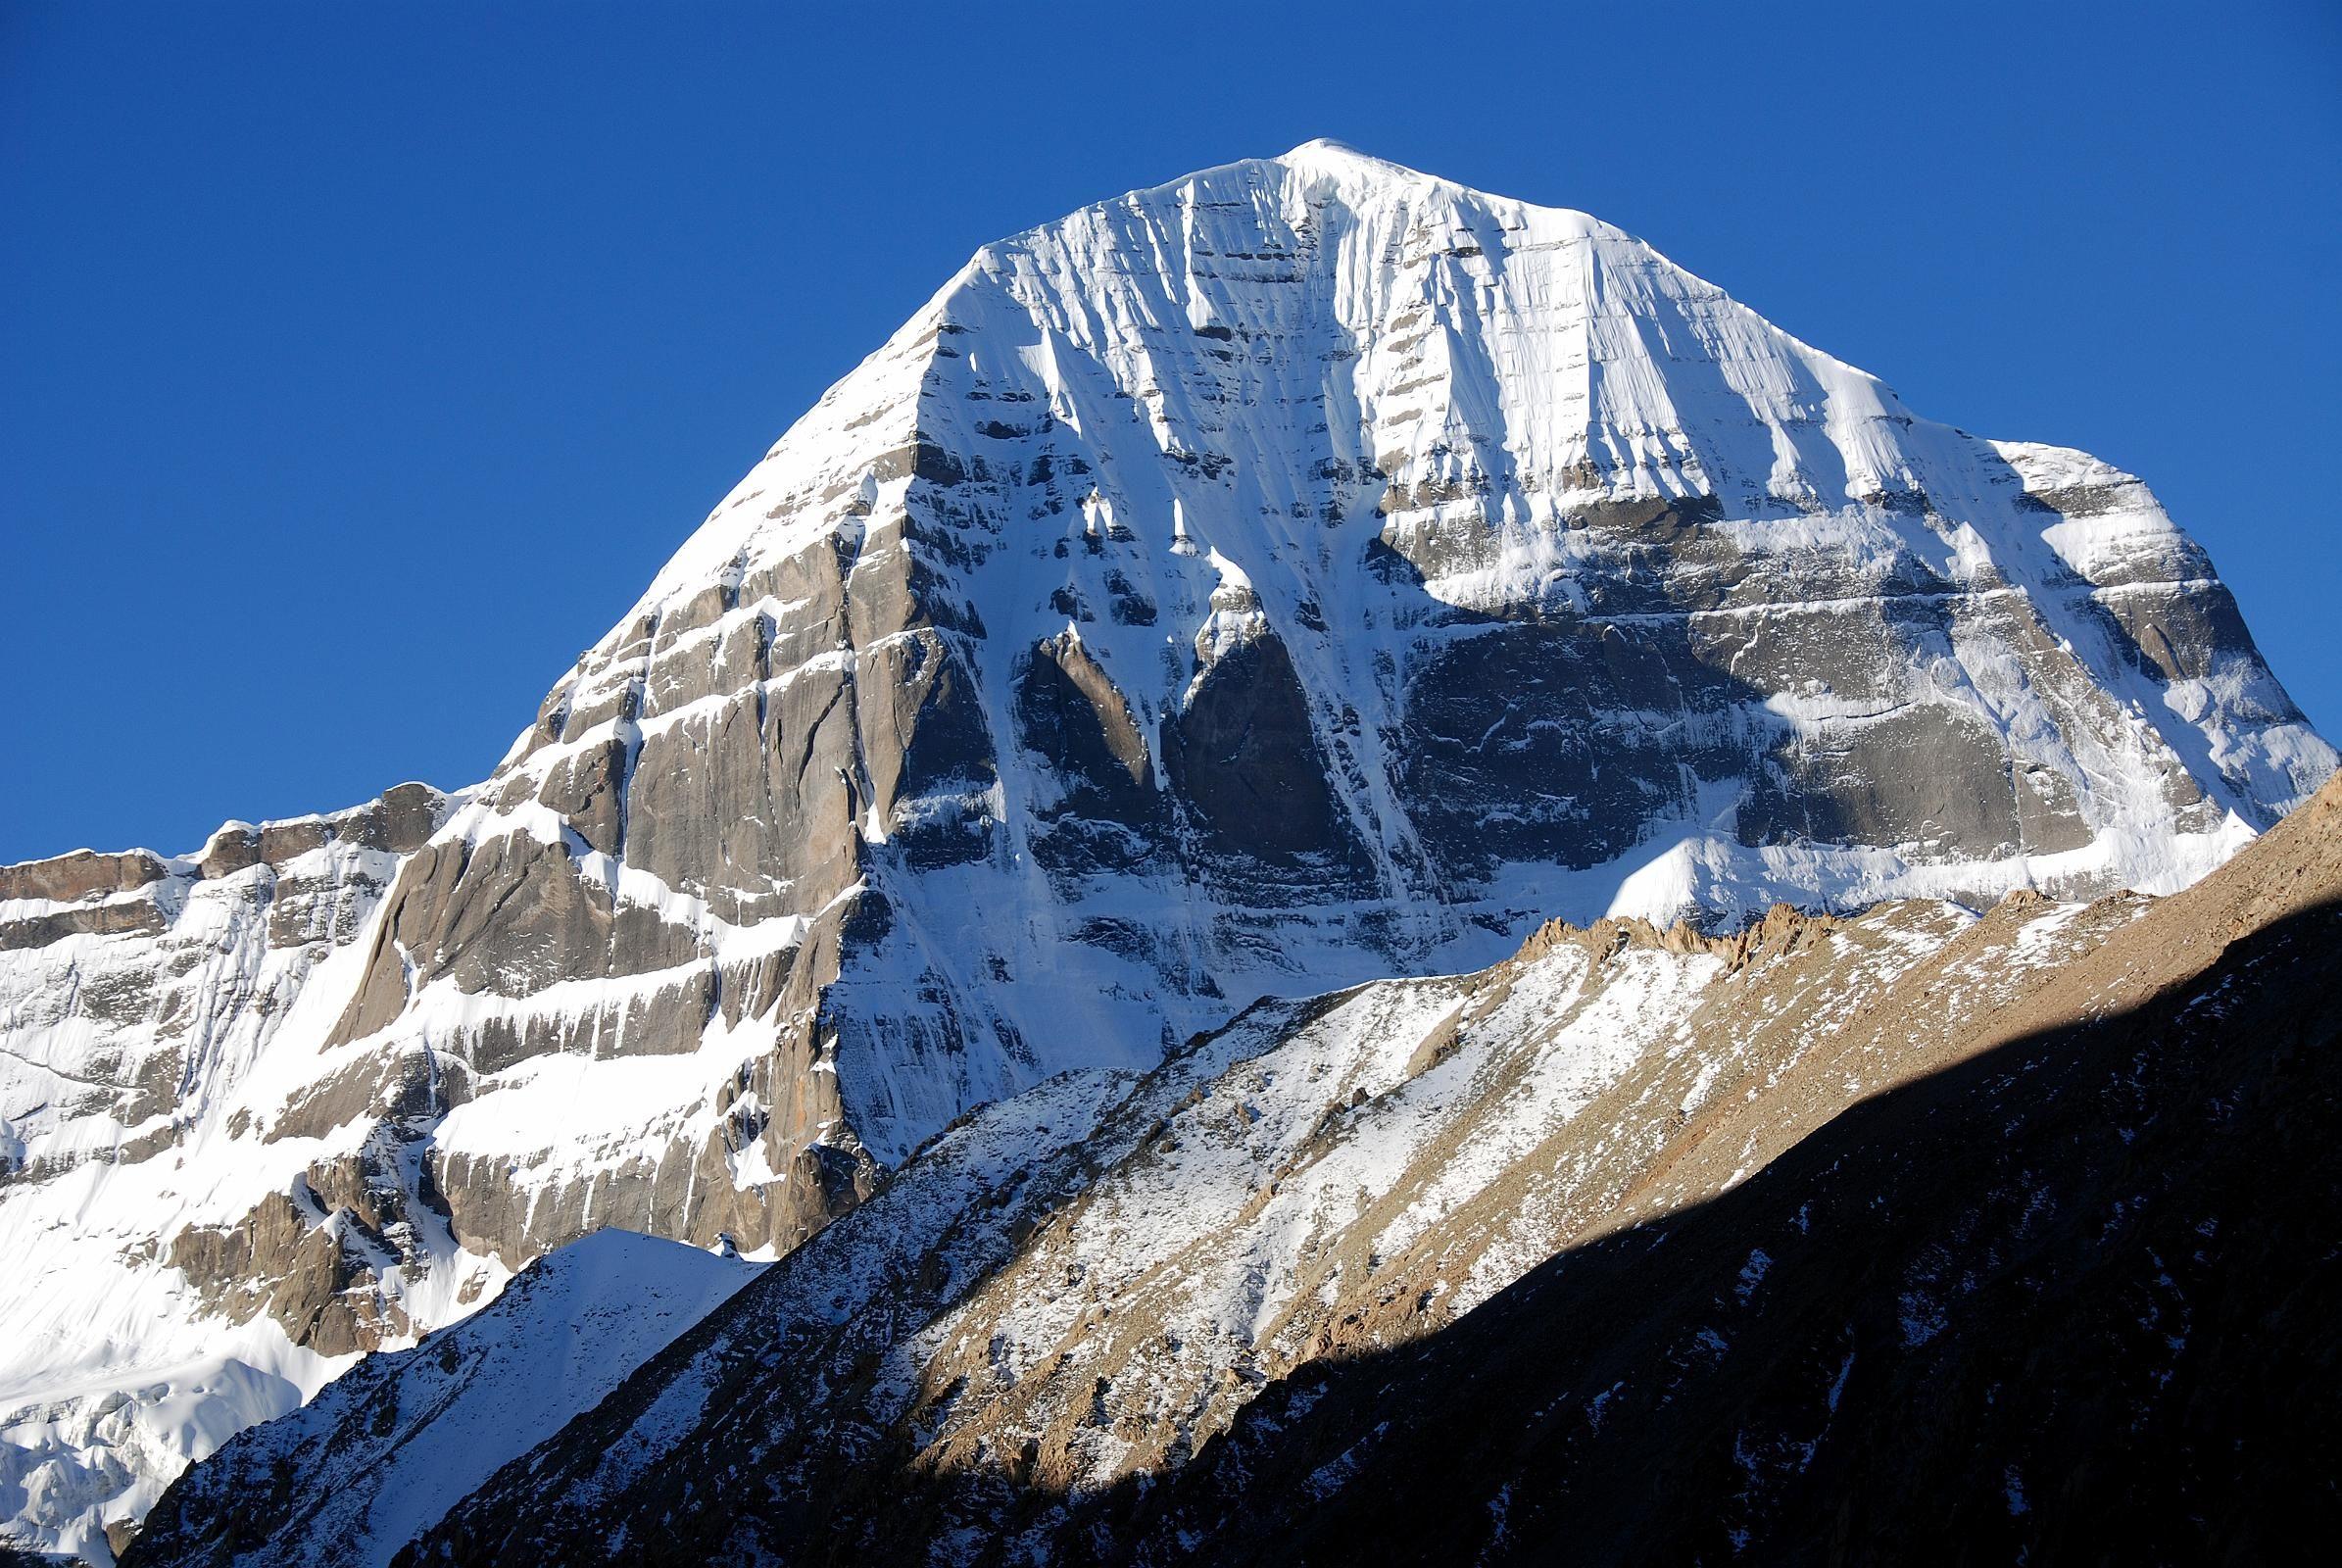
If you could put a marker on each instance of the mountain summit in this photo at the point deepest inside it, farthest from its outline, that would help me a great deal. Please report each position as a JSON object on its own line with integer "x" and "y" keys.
{"x": 1303, "y": 572}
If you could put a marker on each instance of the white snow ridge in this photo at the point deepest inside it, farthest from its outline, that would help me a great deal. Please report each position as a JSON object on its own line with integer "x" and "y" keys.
{"x": 1306, "y": 573}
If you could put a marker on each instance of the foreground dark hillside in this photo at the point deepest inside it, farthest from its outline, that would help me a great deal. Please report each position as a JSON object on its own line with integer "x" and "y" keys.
{"x": 2074, "y": 1301}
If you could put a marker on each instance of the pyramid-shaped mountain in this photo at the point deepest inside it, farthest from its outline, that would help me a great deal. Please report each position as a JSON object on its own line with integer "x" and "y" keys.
{"x": 1303, "y": 572}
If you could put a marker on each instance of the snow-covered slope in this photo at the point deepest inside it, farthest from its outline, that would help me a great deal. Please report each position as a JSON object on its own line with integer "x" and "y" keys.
{"x": 1305, "y": 572}
{"x": 405, "y": 1434}
{"x": 147, "y": 1005}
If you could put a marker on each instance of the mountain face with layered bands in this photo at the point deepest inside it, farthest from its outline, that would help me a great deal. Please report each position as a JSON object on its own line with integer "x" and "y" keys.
{"x": 1306, "y": 574}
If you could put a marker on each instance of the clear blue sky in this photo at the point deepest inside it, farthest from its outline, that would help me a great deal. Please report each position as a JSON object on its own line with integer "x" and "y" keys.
{"x": 360, "y": 364}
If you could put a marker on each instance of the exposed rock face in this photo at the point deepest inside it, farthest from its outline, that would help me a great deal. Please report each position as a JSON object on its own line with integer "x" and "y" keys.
{"x": 1306, "y": 572}
{"x": 80, "y": 875}
{"x": 1243, "y": 757}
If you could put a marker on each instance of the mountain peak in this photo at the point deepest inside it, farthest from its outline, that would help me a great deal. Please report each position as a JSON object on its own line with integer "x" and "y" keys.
{"x": 1326, "y": 152}
{"x": 1325, "y": 147}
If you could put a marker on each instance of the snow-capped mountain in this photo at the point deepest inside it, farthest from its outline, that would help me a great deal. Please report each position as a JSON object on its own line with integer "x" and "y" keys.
{"x": 1303, "y": 573}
